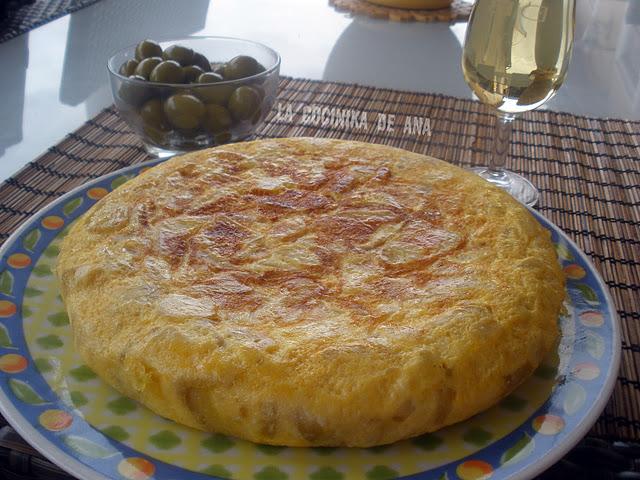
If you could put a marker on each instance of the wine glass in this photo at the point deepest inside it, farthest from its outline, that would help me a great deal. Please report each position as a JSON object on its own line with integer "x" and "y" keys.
{"x": 515, "y": 58}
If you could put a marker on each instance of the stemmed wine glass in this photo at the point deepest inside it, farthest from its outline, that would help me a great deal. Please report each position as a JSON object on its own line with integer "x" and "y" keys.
{"x": 515, "y": 58}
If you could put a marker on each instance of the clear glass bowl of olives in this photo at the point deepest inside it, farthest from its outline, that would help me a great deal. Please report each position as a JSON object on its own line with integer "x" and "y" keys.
{"x": 193, "y": 93}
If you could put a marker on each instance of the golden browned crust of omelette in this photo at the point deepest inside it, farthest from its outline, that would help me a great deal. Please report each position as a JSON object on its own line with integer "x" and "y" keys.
{"x": 311, "y": 292}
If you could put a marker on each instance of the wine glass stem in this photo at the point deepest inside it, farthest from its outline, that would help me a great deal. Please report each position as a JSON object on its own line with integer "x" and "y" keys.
{"x": 501, "y": 144}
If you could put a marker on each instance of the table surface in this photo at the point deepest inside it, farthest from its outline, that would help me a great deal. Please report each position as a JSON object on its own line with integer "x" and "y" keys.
{"x": 54, "y": 78}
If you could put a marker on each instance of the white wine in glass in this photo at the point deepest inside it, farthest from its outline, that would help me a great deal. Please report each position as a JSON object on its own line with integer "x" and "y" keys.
{"x": 515, "y": 58}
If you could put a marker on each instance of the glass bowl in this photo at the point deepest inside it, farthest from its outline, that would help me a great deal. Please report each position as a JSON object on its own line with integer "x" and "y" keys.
{"x": 213, "y": 113}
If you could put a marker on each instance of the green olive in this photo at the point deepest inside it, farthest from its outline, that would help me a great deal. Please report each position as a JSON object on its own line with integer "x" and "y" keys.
{"x": 241, "y": 66}
{"x": 243, "y": 103}
{"x": 148, "y": 48}
{"x": 155, "y": 134}
{"x": 184, "y": 111}
{"x": 134, "y": 93}
{"x": 199, "y": 60}
{"x": 128, "y": 68}
{"x": 152, "y": 113}
{"x": 256, "y": 117}
{"x": 221, "y": 138}
{"x": 182, "y": 55}
{"x": 168, "y": 71}
{"x": 209, "y": 77}
{"x": 216, "y": 118}
{"x": 215, "y": 93}
{"x": 260, "y": 90}
{"x": 191, "y": 73}
{"x": 146, "y": 66}
{"x": 218, "y": 68}
{"x": 184, "y": 91}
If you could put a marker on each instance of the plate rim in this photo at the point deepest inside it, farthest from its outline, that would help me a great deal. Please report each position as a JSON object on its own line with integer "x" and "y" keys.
{"x": 55, "y": 454}
{"x": 580, "y": 431}
{"x": 18, "y": 422}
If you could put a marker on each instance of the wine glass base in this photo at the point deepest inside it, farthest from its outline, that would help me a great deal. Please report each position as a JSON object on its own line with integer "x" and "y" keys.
{"x": 519, "y": 187}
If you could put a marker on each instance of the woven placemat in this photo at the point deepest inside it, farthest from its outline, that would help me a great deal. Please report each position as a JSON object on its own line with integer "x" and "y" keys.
{"x": 587, "y": 169}
{"x": 459, "y": 10}
{"x": 22, "y": 18}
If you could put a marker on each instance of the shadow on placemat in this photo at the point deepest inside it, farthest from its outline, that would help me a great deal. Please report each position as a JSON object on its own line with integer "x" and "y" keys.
{"x": 586, "y": 168}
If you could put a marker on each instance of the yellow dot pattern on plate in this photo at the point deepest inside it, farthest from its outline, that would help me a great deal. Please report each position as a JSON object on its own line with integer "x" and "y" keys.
{"x": 592, "y": 318}
{"x": 53, "y": 222}
{"x": 48, "y": 336}
{"x": 96, "y": 193}
{"x": 586, "y": 371}
{"x": 13, "y": 363}
{"x": 136, "y": 468}
{"x": 55, "y": 420}
{"x": 7, "y": 308}
{"x": 548, "y": 424}
{"x": 474, "y": 470}
{"x": 19, "y": 260}
{"x": 574, "y": 272}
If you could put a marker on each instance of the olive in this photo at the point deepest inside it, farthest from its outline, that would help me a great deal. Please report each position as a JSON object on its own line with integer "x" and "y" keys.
{"x": 223, "y": 137}
{"x": 128, "y": 68}
{"x": 152, "y": 113}
{"x": 215, "y": 93}
{"x": 184, "y": 91}
{"x": 182, "y": 55}
{"x": 216, "y": 118}
{"x": 191, "y": 73}
{"x": 155, "y": 134}
{"x": 168, "y": 71}
{"x": 241, "y": 66}
{"x": 244, "y": 102}
{"x": 209, "y": 77}
{"x": 199, "y": 60}
{"x": 218, "y": 68}
{"x": 256, "y": 117}
{"x": 260, "y": 90}
{"x": 184, "y": 111}
{"x": 146, "y": 66}
{"x": 133, "y": 93}
{"x": 148, "y": 48}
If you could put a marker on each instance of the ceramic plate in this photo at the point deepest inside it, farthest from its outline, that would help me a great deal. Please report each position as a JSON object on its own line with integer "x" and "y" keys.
{"x": 59, "y": 405}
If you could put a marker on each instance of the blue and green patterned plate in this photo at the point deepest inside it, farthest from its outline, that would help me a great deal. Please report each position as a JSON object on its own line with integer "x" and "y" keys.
{"x": 64, "y": 410}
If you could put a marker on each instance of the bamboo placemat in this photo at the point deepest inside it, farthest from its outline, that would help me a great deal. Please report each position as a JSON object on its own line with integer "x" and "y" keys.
{"x": 587, "y": 169}
{"x": 459, "y": 10}
{"x": 27, "y": 17}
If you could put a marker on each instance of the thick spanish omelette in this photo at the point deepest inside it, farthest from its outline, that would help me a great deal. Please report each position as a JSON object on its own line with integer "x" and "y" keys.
{"x": 311, "y": 292}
